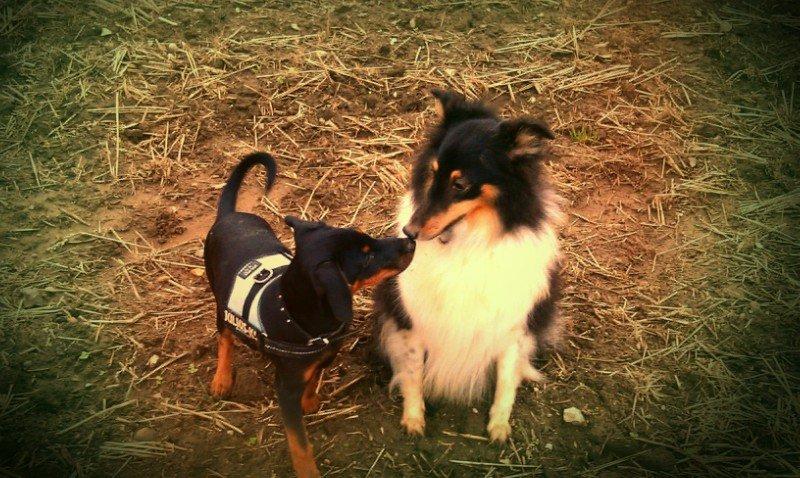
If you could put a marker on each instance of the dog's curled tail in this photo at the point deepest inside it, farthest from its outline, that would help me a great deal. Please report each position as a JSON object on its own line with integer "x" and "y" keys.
{"x": 227, "y": 200}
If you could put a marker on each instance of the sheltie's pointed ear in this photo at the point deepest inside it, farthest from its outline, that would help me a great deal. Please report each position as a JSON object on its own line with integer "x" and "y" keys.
{"x": 522, "y": 138}
{"x": 454, "y": 108}
{"x": 446, "y": 102}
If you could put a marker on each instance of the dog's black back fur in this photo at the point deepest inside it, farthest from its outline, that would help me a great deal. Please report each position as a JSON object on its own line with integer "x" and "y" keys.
{"x": 237, "y": 237}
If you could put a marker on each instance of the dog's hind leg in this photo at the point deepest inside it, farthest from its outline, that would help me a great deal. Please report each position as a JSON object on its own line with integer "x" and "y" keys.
{"x": 513, "y": 366}
{"x": 310, "y": 400}
{"x": 222, "y": 383}
{"x": 407, "y": 358}
{"x": 291, "y": 387}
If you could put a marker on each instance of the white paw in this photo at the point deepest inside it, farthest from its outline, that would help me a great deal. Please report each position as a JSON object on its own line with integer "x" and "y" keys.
{"x": 499, "y": 431}
{"x": 414, "y": 424}
{"x": 533, "y": 375}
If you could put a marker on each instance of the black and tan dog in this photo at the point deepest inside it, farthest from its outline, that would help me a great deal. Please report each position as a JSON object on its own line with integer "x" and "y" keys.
{"x": 295, "y": 310}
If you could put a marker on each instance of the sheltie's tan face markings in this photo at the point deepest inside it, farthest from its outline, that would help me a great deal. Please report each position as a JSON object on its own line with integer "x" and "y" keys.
{"x": 479, "y": 209}
{"x": 486, "y": 215}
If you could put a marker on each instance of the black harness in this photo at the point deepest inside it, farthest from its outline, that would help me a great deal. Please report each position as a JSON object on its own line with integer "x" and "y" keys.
{"x": 255, "y": 306}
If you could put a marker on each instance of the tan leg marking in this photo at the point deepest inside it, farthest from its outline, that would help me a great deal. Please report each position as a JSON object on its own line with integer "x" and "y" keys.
{"x": 222, "y": 384}
{"x": 302, "y": 456}
{"x": 310, "y": 400}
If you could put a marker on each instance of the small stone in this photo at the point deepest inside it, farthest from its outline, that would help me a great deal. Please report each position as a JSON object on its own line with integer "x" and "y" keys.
{"x": 295, "y": 27}
{"x": 145, "y": 434}
{"x": 198, "y": 271}
{"x": 153, "y": 360}
{"x": 548, "y": 446}
{"x": 104, "y": 32}
{"x": 573, "y": 415}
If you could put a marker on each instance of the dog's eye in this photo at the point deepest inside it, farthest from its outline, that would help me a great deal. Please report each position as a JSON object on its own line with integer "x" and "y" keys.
{"x": 368, "y": 258}
{"x": 460, "y": 184}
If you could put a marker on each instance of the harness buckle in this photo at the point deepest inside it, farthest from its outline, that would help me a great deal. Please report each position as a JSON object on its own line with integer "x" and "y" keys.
{"x": 318, "y": 339}
{"x": 263, "y": 276}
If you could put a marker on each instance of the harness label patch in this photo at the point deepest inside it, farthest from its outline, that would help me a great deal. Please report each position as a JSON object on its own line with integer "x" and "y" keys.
{"x": 240, "y": 325}
{"x": 248, "y": 269}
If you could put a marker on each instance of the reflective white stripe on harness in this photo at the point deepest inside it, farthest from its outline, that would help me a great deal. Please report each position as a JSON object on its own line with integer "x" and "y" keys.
{"x": 257, "y": 271}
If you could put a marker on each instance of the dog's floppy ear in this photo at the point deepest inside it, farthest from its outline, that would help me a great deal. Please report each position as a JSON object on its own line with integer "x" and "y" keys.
{"x": 330, "y": 284}
{"x": 522, "y": 138}
{"x": 300, "y": 225}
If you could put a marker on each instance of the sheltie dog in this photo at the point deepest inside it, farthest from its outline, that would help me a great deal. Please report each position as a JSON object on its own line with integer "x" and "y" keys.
{"x": 479, "y": 298}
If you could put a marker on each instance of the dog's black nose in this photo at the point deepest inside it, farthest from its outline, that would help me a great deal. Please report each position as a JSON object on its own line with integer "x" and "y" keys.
{"x": 409, "y": 246}
{"x": 409, "y": 233}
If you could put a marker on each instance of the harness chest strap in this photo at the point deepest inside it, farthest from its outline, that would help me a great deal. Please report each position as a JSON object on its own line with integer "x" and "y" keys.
{"x": 259, "y": 281}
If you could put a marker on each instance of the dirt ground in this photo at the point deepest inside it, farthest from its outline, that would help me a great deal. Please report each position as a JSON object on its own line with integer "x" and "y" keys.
{"x": 678, "y": 157}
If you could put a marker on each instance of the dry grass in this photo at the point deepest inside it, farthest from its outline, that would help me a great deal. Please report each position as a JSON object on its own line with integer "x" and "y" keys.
{"x": 681, "y": 250}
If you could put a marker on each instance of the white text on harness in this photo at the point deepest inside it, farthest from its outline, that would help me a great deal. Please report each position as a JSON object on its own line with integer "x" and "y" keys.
{"x": 240, "y": 325}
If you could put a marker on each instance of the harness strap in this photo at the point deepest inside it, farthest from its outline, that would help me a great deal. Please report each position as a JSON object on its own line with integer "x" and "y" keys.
{"x": 248, "y": 301}
{"x": 256, "y": 277}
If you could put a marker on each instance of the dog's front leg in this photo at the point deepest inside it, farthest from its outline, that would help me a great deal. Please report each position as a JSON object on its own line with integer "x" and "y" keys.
{"x": 508, "y": 378}
{"x": 407, "y": 358}
{"x": 291, "y": 387}
{"x": 513, "y": 366}
{"x": 222, "y": 384}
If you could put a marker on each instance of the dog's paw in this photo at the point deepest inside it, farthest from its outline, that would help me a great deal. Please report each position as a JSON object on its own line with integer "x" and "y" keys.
{"x": 531, "y": 374}
{"x": 499, "y": 431}
{"x": 221, "y": 385}
{"x": 414, "y": 424}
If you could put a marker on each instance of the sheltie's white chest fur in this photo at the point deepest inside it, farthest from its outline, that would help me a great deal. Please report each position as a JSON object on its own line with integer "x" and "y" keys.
{"x": 470, "y": 298}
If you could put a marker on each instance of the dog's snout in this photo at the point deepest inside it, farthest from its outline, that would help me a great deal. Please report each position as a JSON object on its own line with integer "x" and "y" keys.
{"x": 411, "y": 231}
{"x": 409, "y": 246}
